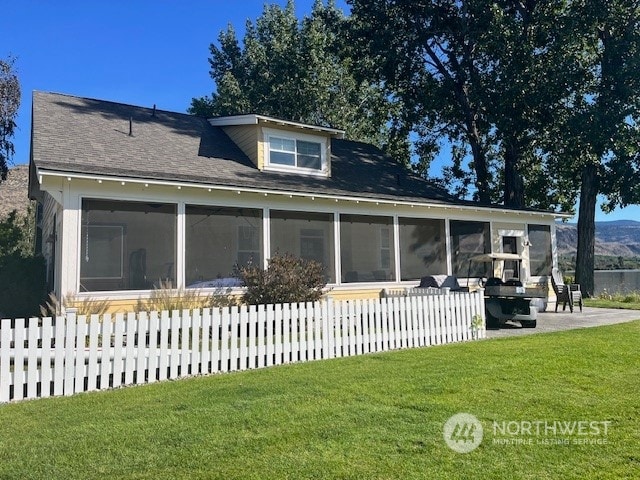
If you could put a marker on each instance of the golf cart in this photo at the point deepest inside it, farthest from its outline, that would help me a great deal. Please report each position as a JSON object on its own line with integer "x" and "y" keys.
{"x": 507, "y": 301}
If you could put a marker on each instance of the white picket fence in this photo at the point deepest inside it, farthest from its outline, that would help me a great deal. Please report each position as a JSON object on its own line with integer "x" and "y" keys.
{"x": 70, "y": 354}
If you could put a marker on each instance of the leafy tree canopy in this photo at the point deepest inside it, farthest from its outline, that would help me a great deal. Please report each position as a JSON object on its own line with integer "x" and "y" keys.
{"x": 598, "y": 130}
{"x": 9, "y": 104}
{"x": 542, "y": 96}
{"x": 484, "y": 77}
{"x": 304, "y": 71}
{"x": 17, "y": 234}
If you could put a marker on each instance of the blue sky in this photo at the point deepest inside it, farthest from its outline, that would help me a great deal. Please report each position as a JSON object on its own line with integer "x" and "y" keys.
{"x": 140, "y": 52}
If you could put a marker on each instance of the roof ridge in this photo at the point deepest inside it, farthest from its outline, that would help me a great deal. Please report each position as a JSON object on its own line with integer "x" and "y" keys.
{"x": 121, "y": 104}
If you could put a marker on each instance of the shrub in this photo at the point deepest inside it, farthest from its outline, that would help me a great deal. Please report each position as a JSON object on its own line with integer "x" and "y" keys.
{"x": 222, "y": 298}
{"x": 22, "y": 274}
{"x": 17, "y": 234}
{"x": 628, "y": 297}
{"x": 168, "y": 298}
{"x": 22, "y": 285}
{"x": 287, "y": 279}
{"x": 86, "y": 306}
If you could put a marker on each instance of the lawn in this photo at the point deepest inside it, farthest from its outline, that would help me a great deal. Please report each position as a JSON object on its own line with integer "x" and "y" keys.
{"x": 368, "y": 417}
{"x": 630, "y": 301}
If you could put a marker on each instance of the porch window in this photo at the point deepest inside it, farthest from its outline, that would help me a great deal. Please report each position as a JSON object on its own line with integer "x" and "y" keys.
{"x": 127, "y": 245}
{"x": 540, "y": 256}
{"x": 469, "y": 239}
{"x": 306, "y": 235}
{"x": 423, "y": 248}
{"x": 366, "y": 246}
{"x": 217, "y": 240}
{"x": 298, "y": 152}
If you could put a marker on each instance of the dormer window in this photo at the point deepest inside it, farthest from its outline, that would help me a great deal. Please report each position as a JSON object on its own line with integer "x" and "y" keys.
{"x": 281, "y": 145}
{"x": 287, "y": 151}
{"x": 295, "y": 153}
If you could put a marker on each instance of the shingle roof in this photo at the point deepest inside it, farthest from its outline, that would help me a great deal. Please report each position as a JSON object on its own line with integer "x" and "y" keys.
{"x": 80, "y": 135}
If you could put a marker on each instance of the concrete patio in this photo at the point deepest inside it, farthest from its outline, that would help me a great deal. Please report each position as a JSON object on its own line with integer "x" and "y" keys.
{"x": 553, "y": 322}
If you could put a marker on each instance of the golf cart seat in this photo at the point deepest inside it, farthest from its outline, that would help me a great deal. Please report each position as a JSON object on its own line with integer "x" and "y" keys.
{"x": 442, "y": 281}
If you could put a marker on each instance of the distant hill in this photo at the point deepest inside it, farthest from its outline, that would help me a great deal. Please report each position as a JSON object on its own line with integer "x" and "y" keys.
{"x": 14, "y": 191}
{"x": 618, "y": 238}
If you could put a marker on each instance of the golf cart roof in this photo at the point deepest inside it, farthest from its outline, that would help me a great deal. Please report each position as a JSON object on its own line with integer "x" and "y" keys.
{"x": 490, "y": 257}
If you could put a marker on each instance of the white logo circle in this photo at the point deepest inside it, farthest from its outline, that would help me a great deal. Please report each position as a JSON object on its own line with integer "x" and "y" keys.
{"x": 463, "y": 432}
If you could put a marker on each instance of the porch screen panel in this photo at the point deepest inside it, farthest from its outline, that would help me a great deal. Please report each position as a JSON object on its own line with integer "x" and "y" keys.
{"x": 540, "y": 256}
{"x": 366, "y": 248}
{"x": 305, "y": 235}
{"x": 423, "y": 248}
{"x": 217, "y": 239}
{"x": 469, "y": 239}
{"x": 127, "y": 245}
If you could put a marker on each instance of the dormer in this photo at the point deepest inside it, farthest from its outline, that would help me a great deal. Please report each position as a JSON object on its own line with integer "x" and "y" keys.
{"x": 280, "y": 145}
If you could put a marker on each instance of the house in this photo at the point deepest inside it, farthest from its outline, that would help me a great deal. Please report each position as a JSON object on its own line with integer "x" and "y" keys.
{"x": 131, "y": 197}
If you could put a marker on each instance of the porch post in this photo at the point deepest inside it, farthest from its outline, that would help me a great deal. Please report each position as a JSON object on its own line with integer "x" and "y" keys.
{"x": 396, "y": 248}
{"x": 180, "y": 245}
{"x": 69, "y": 237}
{"x": 337, "y": 247}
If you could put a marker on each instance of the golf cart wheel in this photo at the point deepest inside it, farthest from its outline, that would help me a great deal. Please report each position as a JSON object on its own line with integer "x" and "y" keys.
{"x": 528, "y": 323}
{"x": 492, "y": 322}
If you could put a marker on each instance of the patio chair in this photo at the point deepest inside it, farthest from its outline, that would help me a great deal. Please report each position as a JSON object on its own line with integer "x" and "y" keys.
{"x": 570, "y": 294}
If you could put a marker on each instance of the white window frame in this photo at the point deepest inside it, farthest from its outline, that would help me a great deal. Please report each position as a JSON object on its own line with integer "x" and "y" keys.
{"x": 86, "y": 254}
{"x": 386, "y": 250}
{"x": 268, "y": 133}
{"x": 241, "y": 234}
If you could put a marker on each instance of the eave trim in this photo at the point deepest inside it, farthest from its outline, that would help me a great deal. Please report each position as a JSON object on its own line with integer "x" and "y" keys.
{"x": 42, "y": 172}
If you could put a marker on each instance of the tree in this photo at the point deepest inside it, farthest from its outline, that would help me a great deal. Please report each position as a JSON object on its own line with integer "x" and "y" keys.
{"x": 9, "y": 104}
{"x": 544, "y": 94}
{"x": 22, "y": 274}
{"x": 303, "y": 71}
{"x": 485, "y": 77}
{"x": 425, "y": 54}
{"x": 532, "y": 58}
{"x": 17, "y": 234}
{"x": 599, "y": 133}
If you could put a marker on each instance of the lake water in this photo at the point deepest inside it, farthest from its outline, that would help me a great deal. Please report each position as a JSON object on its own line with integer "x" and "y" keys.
{"x": 616, "y": 281}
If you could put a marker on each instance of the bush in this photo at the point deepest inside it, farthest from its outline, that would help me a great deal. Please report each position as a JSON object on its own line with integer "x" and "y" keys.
{"x": 84, "y": 306}
{"x": 169, "y": 299}
{"x": 17, "y": 234}
{"x": 22, "y": 285}
{"x": 287, "y": 279}
{"x": 22, "y": 275}
{"x": 629, "y": 297}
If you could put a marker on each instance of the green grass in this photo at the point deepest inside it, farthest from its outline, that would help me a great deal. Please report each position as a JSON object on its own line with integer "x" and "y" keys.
{"x": 630, "y": 301}
{"x": 368, "y": 417}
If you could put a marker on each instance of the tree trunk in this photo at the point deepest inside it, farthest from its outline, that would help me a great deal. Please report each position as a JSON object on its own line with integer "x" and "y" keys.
{"x": 480, "y": 165}
{"x": 474, "y": 138}
{"x": 513, "y": 184}
{"x": 587, "y": 229}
